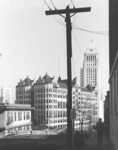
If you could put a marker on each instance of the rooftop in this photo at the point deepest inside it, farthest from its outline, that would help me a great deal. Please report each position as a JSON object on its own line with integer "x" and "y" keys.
{"x": 10, "y": 106}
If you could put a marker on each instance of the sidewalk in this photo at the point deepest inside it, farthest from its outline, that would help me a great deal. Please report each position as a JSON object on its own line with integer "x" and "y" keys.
{"x": 91, "y": 144}
{"x": 51, "y": 142}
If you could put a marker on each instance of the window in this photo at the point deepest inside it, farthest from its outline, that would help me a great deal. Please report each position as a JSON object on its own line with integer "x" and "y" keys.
{"x": 27, "y": 115}
{"x": 19, "y": 116}
{"x": 24, "y": 115}
{"x": 14, "y": 116}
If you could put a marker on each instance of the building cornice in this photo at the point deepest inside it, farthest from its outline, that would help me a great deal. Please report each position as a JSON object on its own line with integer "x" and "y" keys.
{"x": 5, "y": 106}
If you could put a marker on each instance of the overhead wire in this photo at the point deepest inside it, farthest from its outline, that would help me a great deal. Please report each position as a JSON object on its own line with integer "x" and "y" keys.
{"x": 71, "y": 2}
{"x": 47, "y": 5}
{"x": 96, "y": 32}
{"x": 56, "y": 8}
{"x": 60, "y": 22}
{"x": 105, "y": 33}
{"x": 73, "y": 20}
{"x": 53, "y": 4}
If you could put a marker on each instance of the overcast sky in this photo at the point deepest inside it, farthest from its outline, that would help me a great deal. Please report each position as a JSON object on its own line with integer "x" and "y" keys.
{"x": 32, "y": 43}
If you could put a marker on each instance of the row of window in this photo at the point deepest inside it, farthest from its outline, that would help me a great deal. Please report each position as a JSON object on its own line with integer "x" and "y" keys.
{"x": 23, "y": 102}
{"x": 23, "y": 91}
{"x": 45, "y": 106}
{"x": 91, "y": 58}
{"x": 17, "y": 116}
{"x": 24, "y": 97}
{"x": 40, "y": 90}
{"x": 91, "y": 64}
{"x": 15, "y": 130}
{"x": 91, "y": 74}
{"x": 53, "y": 101}
{"x": 62, "y": 104}
{"x": 49, "y": 95}
{"x": 51, "y": 106}
{"x": 51, "y": 114}
{"x": 41, "y": 122}
{"x": 91, "y": 70}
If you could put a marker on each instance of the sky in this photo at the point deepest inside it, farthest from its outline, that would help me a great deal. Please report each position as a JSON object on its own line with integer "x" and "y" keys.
{"x": 33, "y": 44}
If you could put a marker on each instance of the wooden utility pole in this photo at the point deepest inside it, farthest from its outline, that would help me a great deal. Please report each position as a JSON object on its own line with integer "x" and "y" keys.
{"x": 67, "y": 12}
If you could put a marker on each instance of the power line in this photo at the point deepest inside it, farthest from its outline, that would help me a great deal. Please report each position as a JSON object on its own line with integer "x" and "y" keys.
{"x": 53, "y": 4}
{"x": 56, "y": 8}
{"x": 105, "y": 33}
{"x": 96, "y": 32}
{"x": 60, "y": 22}
{"x": 73, "y": 20}
{"x": 47, "y": 5}
{"x": 71, "y": 2}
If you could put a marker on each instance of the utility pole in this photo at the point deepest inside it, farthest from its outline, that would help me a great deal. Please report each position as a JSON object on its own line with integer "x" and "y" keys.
{"x": 67, "y": 12}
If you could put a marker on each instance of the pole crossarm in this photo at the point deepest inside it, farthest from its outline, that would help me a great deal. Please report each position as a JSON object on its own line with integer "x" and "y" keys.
{"x": 64, "y": 11}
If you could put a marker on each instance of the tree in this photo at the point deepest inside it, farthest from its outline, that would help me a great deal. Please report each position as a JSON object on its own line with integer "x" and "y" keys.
{"x": 87, "y": 109}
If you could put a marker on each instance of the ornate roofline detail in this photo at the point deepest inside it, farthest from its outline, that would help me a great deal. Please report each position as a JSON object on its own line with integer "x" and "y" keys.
{"x": 26, "y": 82}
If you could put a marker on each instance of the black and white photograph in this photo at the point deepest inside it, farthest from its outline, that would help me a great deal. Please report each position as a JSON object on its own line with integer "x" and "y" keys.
{"x": 58, "y": 74}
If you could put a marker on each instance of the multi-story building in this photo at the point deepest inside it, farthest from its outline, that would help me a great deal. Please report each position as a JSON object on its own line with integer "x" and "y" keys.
{"x": 90, "y": 70}
{"x": 5, "y": 95}
{"x": 50, "y": 99}
{"x": 90, "y": 74}
{"x": 24, "y": 91}
{"x": 50, "y": 102}
{"x": 14, "y": 118}
{"x": 113, "y": 81}
{"x": 114, "y": 102}
{"x": 86, "y": 104}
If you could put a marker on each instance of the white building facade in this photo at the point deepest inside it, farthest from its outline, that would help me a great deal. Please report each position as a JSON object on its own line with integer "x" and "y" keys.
{"x": 90, "y": 68}
{"x": 90, "y": 74}
{"x": 5, "y": 95}
{"x": 86, "y": 104}
{"x": 24, "y": 91}
{"x": 50, "y": 102}
{"x": 14, "y": 119}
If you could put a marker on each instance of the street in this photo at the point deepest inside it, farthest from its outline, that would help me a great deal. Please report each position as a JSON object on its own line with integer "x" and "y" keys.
{"x": 38, "y": 140}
